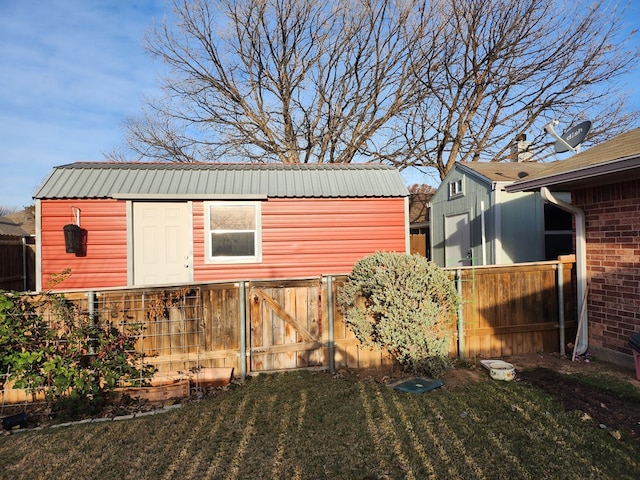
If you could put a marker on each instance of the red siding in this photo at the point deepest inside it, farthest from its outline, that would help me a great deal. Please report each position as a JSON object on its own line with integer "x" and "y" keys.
{"x": 300, "y": 238}
{"x": 613, "y": 262}
{"x": 105, "y": 262}
{"x": 311, "y": 237}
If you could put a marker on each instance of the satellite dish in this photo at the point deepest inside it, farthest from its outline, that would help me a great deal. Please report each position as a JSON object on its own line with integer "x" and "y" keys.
{"x": 571, "y": 139}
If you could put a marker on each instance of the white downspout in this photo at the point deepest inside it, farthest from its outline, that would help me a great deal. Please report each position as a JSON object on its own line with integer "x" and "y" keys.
{"x": 484, "y": 236}
{"x": 39, "y": 246}
{"x": 497, "y": 225}
{"x": 407, "y": 227}
{"x": 581, "y": 262}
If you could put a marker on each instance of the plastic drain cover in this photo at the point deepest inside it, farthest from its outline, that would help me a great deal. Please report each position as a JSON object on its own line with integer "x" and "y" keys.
{"x": 418, "y": 385}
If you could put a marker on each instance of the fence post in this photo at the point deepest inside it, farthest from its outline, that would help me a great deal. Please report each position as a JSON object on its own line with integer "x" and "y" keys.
{"x": 243, "y": 331}
{"x": 24, "y": 264}
{"x": 460, "y": 322}
{"x": 91, "y": 299}
{"x": 330, "y": 321}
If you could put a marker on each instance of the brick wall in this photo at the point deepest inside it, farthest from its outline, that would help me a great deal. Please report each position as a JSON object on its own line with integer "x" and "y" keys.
{"x": 613, "y": 262}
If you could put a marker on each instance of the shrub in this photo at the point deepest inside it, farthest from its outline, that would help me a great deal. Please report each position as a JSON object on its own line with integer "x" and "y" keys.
{"x": 77, "y": 362}
{"x": 403, "y": 303}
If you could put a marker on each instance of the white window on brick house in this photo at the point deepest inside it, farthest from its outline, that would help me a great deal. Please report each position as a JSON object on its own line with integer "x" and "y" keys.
{"x": 233, "y": 232}
{"x": 455, "y": 188}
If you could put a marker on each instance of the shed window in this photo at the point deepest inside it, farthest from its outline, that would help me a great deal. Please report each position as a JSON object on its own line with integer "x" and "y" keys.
{"x": 455, "y": 188}
{"x": 232, "y": 232}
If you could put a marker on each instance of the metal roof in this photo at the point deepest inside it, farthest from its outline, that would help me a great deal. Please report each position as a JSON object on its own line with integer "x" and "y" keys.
{"x": 220, "y": 181}
{"x": 612, "y": 161}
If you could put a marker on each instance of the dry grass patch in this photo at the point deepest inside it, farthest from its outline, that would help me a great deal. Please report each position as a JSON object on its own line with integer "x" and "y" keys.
{"x": 307, "y": 425}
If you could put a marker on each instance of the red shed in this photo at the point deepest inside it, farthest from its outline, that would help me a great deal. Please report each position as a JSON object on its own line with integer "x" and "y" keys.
{"x": 112, "y": 225}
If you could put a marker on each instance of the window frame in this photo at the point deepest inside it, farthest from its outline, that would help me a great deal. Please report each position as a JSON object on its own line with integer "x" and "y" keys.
{"x": 456, "y": 188}
{"x": 208, "y": 233}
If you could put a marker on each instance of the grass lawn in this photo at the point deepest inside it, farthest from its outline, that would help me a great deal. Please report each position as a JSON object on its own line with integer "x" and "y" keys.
{"x": 314, "y": 425}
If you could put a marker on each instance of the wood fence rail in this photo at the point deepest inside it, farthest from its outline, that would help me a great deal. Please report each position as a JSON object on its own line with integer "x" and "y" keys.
{"x": 269, "y": 326}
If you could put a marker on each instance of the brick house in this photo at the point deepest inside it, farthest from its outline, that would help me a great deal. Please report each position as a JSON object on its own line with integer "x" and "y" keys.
{"x": 604, "y": 182}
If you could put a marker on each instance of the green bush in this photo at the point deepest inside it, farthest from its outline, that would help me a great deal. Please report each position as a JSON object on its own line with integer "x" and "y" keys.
{"x": 25, "y": 340}
{"x": 76, "y": 362}
{"x": 403, "y": 303}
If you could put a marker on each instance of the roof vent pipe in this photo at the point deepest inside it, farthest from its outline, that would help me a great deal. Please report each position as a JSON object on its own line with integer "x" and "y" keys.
{"x": 581, "y": 263}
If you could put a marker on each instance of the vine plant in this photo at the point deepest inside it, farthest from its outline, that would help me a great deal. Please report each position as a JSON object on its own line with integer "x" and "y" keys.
{"x": 75, "y": 360}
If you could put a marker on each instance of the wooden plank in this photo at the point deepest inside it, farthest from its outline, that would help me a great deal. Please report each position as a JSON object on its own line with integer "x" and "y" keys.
{"x": 255, "y": 331}
{"x": 160, "y": 393}
{"x": 286, "y": 348}
{"x": 314, "y": 325}
{"x": 10, "y": 279}
{"x": 283, "y": 314}
{"x": 266, "y": 314}
{"x": 302, "y": 313}
{"x": 195, "y": 331}
{"x": 176, "y": 330}
{"x": 217, "y": 320}
{"x": 192, "y": 357}
{"x": 516, "y": 329}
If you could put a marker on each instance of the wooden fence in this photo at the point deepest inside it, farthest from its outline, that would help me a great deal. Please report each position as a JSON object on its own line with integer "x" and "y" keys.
{"x": 252, "y": 327}
{"x": 419, "y": 243}
{"x": 17, "y": 263}
{"x": 515, "y": 309}
{"x": 255, "y": 327}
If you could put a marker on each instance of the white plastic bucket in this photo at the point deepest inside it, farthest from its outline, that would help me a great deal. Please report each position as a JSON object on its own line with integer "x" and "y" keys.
{"x": 502, "y": 371}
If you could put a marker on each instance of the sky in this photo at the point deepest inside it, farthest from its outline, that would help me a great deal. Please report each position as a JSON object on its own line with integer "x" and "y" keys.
{"x": 71, "y": 72}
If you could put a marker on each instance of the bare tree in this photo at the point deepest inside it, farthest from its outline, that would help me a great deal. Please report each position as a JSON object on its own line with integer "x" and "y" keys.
{"x": 406, "y": 82}
{"x": 293, "y": 81}
{"x": 499, "y": 68}
{"x": 6, "y": 210}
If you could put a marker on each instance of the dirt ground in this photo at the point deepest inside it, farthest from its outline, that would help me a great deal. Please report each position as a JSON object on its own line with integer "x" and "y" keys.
{"x": 544, "y": 371}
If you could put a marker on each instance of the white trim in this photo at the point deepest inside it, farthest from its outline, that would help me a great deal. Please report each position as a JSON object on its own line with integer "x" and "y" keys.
{"x": 483, "y": 229}
{"x": 129, "y": 222}
{"x": 256, "y": 258}
{"x": 181, "y": 196}
{"x": 407, "y": 227}
{"x": 190, "y": 260}
{"x": 497, "y": 225}
{"x": 458, "y": 188}
{"x": 38, "y": 214}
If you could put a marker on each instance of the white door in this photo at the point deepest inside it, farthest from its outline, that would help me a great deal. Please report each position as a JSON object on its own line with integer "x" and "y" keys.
{"x": 162, "y": 240}
{"x": 457, "y": 244}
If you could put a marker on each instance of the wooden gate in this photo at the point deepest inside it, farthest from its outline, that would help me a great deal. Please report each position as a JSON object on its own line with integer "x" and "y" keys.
{"x": 284, "y": 331}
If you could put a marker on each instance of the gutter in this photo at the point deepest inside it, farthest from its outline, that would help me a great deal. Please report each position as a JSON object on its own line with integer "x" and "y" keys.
{"x": 588, "y": 173}
{"x": 582, "y": 340}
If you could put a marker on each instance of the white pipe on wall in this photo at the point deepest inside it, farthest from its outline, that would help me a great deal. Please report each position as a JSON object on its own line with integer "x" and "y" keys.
{"x": 497, "y": 226}
{"x": 484, "y": 236}
{"x": 581, "y": 262}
